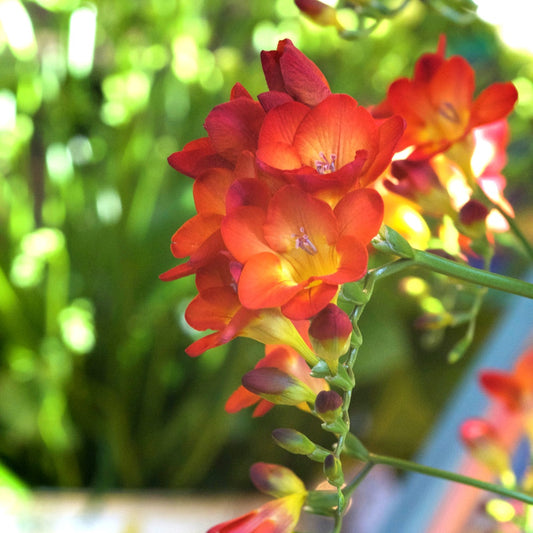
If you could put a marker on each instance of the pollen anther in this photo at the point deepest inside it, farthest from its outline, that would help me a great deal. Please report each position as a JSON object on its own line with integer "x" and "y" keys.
{"x": 448, "y": 111}
{"x": 325, "y": 165}
{"x": 304, "y": 242}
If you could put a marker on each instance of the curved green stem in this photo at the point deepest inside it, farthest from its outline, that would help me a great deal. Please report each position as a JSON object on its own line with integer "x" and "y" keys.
{"x": 356, "y": 481}
{"x": 472, "y": 275}
{"x": 450, "y": 476}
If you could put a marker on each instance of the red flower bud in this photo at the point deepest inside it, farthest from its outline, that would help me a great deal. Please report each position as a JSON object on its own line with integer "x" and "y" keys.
{"x": 277, "y": 386}
{"x": 330, "y": 333}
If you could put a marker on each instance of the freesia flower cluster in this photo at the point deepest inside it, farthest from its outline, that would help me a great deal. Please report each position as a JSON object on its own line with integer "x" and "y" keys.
{"x": 496, "y": 439}
{"x": 290, "y": 189}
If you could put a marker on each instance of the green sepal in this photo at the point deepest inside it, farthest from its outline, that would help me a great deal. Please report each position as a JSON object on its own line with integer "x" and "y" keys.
{"x": 321, "y": 370}
{"x": 355, "y": 448}
{"x": 319, "y": 454}
{"x": 389, "y": 241}
{"x": 355, "y": 292}
{"x": 339, "y": 426}
{"x": 344, "y": 379}
{"x": 321, "y": 502}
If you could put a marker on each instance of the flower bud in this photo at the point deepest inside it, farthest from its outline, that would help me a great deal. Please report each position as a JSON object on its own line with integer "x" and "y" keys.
{"x": 483, "y": 442}
{"x": 277, "y": 386}
{"x": 320, "y": 13}
{"x": 472, "y": 218}
{"x": 418, "y": 181}
{"x": 275, "y": 480}
{"x": 434, "y": 321}
{"x": 328, "y": 405}
{"x": 295, "y": 442}
{"x": 333, "y": 471}
{"x": 389, "y": 241}
{"x": 330, "y": 332}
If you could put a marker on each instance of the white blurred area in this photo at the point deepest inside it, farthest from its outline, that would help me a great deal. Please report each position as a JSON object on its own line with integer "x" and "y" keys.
{"x": 512, "y": 19}
{"x": 62, "y": 512}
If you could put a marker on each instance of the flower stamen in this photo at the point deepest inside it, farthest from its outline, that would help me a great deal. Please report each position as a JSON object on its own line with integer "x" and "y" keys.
{"x": 325, "y": 165}
{"x": 304, "y": 242}
{"x": 448, "y": 111}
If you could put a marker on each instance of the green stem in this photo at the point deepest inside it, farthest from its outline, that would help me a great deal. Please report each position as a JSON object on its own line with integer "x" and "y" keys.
{"x": 356, "y": 481}
{"x": 450, "y": 476}
{"x": 473, "y": 275}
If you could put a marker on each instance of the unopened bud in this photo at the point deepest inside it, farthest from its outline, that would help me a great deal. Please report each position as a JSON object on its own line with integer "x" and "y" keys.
{"x": 275, "y": 480}
{"x": 320, "y": 13}
{"x": 472, "y": 218}
{"x": 330, "y": 332}
{"x": 328, "y": 405}
{"x": 389, "y": 241}
{"x": 277, "y": 386}
{"x": 333, "y": 471}
{"x": 295, "y": 442}
{"x": 434, "y": 321}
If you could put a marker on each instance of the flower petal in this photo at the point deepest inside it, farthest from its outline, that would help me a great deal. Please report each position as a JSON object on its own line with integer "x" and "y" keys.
{"x": 494, "y": 103}
{"x": 360, "y": 214}
{"x": 233, "y": 127}
{"x": 265, "y": 282}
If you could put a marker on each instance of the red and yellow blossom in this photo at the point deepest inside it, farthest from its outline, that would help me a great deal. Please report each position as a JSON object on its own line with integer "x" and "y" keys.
{"x": 438, "y": 103}
{"x": 329, "y": 149}
{"x": 297, "y": 252}
{"x": 277, "y": 516}
{"x": 217, "y": 307}
{"x": 286, "y": 360}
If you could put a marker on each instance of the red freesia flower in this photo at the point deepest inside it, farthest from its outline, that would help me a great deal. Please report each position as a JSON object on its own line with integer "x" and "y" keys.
{"x": 217, "y": 307}
{"x": 438, "y": 103}
{"x": 287, "y": 360}
{"x": 329, "y": 149}
{"x": 298, "y": 251}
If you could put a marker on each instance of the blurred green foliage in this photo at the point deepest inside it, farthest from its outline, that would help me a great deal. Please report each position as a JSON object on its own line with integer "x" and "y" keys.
{"x": 95, "y": 388}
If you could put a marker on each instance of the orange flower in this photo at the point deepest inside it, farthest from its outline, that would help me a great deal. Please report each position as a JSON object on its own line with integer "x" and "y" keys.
{"x": 438, "y": 103}
{"x": 298, "y": 251}
{"x": 217, "y": 307}
{"x": 329, "y": 149}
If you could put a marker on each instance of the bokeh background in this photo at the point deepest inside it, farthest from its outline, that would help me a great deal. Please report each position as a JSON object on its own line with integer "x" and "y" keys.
{"x": 95, "y": 388}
